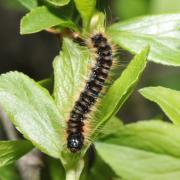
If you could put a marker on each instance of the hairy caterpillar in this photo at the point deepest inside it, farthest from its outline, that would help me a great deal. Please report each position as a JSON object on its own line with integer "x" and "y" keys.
{"x": 88, "y": 97}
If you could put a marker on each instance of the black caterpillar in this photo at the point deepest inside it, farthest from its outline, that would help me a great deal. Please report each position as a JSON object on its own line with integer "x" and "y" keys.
{"x": 89, "y": 95}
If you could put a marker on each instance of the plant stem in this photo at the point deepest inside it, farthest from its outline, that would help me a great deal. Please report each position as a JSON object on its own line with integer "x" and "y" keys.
{"x": 75, "y": 172}
{"x": 71, "y": 174}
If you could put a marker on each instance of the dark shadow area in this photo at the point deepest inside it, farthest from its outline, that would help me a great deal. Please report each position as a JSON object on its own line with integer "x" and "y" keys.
{"x": 30, "y": 54}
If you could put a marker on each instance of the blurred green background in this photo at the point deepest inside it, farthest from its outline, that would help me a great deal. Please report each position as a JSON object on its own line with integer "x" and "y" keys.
{"x": 33, "y": 54}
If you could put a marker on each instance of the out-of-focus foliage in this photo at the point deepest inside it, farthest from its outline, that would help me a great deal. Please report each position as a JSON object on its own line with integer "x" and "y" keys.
{"x": 11, "y": 151}
{"x": 30, "y": 4}
{"x": 126, "y": 9}
{"x": 56, "y": 170}
{"x": 164, "y": 6}
{"x": 130, "y": 8}
{"x": 9, "y": 173}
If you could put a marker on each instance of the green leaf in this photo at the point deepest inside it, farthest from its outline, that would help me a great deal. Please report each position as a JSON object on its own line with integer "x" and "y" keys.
{"x": 70, "y": 68}
{"x": 161, "y": 32}
{"x": 10, "y": 151}
{"x": 47, "y": 83}
{"x": 59, "y": 2}
{"x": 97, "y": 23}
{"x": 30, "y": 4}
{"x": 113, "y": 126}
{"x": 95, "y": 172}
{"x": 167, "y": 99}
{"x": 56, "y": 170}
{"x": 9, "y": 173}
{"x": 86, "y": 9}
{"x": 153, "y": 135}
{"x": 33, "y": 111}
{"x": 136, "y": 164}
{"x": 163, "y": 6}
{"x": 127, "y": 8}
{"x": 144, "y": 150}
{"x": 42, "y": 18}
{"x": 121, "y": 89}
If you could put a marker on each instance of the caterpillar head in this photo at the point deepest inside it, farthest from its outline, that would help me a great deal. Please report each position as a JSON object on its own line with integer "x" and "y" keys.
{"x": 75, "y": 142}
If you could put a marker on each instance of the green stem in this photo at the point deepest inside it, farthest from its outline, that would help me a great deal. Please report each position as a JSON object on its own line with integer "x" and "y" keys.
{"x": 75, "y": 172}
{"x": 71, "y": 174}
